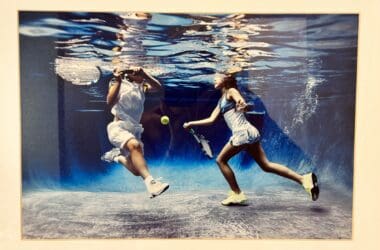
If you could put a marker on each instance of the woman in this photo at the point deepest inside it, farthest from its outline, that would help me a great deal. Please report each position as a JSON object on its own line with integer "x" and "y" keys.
{"x": 245, "y": 137}
{"x": 126, "y": 96}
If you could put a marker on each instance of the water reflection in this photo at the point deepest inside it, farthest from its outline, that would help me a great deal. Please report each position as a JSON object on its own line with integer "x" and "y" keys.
{"x": 302, "y": 67}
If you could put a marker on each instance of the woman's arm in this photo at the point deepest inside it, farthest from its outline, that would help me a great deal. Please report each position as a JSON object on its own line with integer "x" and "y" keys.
{"x": 233, "y": 93}
{"x": 204, "y": 122}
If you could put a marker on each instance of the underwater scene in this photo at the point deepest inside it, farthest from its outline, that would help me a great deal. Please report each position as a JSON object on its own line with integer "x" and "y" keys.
{"x": 296, "y": 72}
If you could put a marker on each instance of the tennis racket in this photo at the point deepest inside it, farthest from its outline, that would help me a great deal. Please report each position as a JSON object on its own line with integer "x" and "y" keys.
{"x": 203, "y": 143}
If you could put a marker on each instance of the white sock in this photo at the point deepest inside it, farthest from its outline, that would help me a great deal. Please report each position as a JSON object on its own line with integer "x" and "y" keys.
{"x": 116, "y": 159}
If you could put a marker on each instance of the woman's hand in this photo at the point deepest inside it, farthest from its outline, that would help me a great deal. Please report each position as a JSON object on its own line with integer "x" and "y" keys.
{"x": 187, "y": 125}
{"x": 241, "y": 105}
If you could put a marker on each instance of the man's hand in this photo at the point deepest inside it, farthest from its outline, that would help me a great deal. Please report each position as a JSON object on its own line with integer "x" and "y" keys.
{"x": 137, "y": 70}
{"x": 117, "y": 72}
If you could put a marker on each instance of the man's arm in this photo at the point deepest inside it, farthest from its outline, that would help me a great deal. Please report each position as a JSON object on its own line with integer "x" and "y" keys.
{"x": 113, "y": 90}
{"x": 154, "y": 84}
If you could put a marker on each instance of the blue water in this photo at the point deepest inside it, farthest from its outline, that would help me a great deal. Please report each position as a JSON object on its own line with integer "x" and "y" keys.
{"x": 299, "y": 71}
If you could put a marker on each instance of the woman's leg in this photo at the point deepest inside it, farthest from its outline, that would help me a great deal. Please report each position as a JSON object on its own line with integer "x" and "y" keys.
{"x": 257, "y": 152}
{"x": 222, "y": 160}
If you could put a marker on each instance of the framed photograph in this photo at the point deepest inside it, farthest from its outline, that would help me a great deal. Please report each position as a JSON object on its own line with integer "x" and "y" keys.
{"x": 161, "y": 123}
{"x": 125, "y": 89}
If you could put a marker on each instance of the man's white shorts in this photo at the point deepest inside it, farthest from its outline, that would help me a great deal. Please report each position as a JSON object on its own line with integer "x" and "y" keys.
{"x": 120, "y": 132}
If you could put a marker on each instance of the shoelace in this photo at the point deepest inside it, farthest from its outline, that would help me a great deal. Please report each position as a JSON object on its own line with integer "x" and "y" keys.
{"x": 155, "y": 181}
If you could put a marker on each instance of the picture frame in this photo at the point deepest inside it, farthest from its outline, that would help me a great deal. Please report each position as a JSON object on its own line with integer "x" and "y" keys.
{"x": 365, "y": 177}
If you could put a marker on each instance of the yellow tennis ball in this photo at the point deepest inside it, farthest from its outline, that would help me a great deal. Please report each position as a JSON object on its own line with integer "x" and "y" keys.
{"x": 164, "y": 120}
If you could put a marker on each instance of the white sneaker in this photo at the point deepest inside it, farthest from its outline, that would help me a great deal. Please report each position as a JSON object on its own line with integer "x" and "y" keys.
{"x": 111, "y": 155}
{"x": 310, "y": 184}
{"x": 235, "y": 199}
{"x": 155, "y": 187}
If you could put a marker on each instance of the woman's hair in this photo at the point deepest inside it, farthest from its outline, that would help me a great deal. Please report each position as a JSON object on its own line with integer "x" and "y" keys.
{"x": 229, "y": 81}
